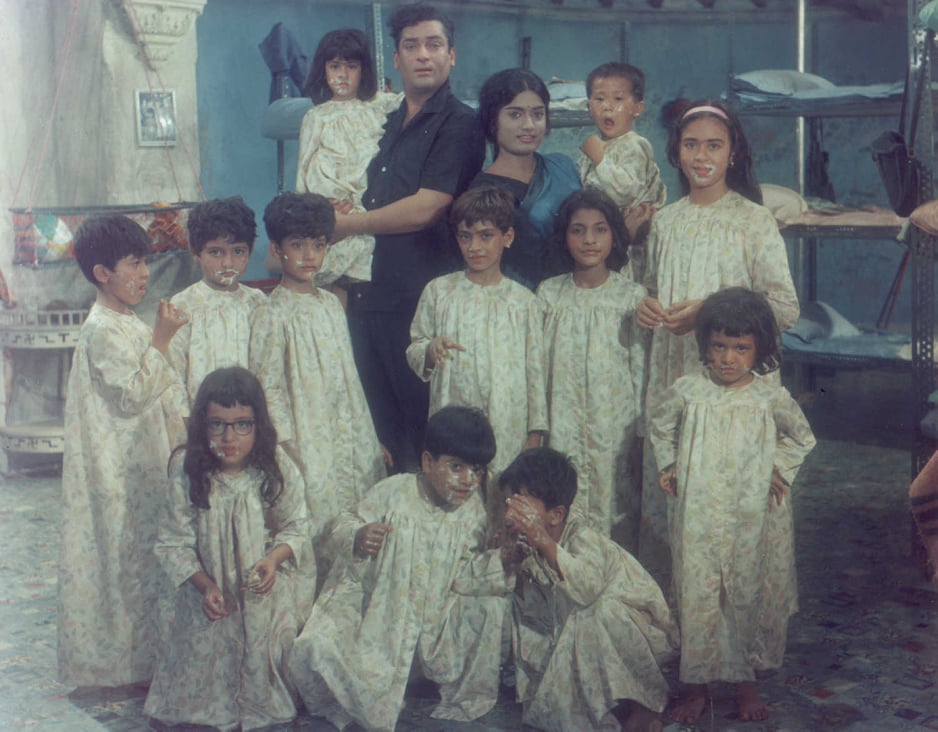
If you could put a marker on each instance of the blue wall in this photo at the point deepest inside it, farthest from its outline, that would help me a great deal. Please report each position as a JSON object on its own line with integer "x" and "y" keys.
{"x": 679, "y": 59}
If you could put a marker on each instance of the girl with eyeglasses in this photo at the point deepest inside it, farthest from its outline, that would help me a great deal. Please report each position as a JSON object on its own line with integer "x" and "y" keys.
{"x": 235, "y": 543}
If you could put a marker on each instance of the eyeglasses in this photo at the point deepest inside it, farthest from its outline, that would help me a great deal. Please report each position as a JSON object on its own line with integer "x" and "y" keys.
{"x": 217, "y": 427}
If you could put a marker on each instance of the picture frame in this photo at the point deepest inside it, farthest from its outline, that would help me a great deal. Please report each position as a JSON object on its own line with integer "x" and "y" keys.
{"x": 155, "y": 112}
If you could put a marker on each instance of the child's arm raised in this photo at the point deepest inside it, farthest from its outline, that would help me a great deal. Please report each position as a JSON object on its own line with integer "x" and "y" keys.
{"x": 594, "y": 148}
{"x": 524, "y": 522}
{"x": 169, "y": 319}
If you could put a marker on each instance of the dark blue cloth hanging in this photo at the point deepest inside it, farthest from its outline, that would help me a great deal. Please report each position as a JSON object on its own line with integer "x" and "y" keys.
{"x": 288, "y": 65}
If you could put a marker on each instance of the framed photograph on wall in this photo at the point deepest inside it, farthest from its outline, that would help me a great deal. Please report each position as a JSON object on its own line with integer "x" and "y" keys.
{"x": 156, "y": 117}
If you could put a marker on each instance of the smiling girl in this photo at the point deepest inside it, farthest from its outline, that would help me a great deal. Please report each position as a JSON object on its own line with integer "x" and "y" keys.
{"x": 718, "y": 235}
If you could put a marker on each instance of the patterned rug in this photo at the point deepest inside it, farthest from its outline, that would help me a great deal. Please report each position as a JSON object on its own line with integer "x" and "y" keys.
{"x": 862, "y": 652}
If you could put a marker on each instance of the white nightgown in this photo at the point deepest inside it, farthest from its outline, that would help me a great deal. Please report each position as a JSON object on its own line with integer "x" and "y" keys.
{"x": 302, "y": 354}
{"x": 502, "y": 369}
{"x": 431, "y": 594}
{"x": 230, "y": 671}
{"x": 590, "y": 638}
{"x": 337, "y": 142}
{"x": 693, "y": 251}
{"x": 218, "y": 332}
{"x": 596, "y": 366}
{"x": 122, "y": 415}
{"x": 627, "y": 173}
{"x": 733, "y": 549}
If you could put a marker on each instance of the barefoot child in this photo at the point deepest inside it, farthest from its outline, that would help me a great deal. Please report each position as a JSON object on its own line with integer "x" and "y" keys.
{"x": 730, "y": 440}
{"x": 596, "y": 362}
{"x": 590, "y": 625}
{"x": 718, "y": 235}
{"x": 221, "y": 237}
{"x": 338, "y": 138}
{"x": 300, "y": 351}
{"x": 234, "y": 540}
{"x": 409, "y": 560}
{"x": 123, "y": 413}
{"x": 477, "y": 336}
{"x": 618, "y": 160}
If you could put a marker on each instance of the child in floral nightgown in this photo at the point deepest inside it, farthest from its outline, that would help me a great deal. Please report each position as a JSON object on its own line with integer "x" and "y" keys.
{"x": 123, "y": 415}
{"x": 597, "y": 359}
{"x": 234, "y": 540}
{"x": 339, "y": 137}
{"x": 221, "y": 237}
{"x": 477, "y": 336}
{"x": 590, "y": 624}
{"x": 412, "y": 584}
{"x": 730, "y": 440}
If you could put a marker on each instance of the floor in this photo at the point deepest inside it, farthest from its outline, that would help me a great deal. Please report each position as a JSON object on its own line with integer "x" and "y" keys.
{"x": 862, "y": 652}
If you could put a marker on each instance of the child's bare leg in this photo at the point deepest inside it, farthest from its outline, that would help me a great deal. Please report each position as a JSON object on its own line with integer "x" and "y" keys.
{"x": 748, "y": 704}
{"x": 690, "y": 705}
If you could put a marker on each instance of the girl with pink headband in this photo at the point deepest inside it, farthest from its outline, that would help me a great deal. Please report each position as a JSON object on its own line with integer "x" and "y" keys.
{"x": 717, "y": 236}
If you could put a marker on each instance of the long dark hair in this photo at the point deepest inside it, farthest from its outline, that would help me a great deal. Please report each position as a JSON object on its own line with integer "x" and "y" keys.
{"x": 589, "y": 198}
{"x": 349, "y": 44}
{"x": 228, "y": 387}
{"x": 498, "y": 91}
{"x": 739, "y": 176}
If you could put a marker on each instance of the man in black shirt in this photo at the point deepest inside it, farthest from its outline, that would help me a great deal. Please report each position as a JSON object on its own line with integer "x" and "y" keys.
{"x": 432, "y": 147}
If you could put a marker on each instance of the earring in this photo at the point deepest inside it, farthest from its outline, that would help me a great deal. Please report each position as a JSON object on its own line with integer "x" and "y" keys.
{"x": 732, "y": 162}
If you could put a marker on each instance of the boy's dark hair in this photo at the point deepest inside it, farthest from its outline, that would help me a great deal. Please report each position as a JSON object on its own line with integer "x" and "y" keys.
{"x": 221, "y": 218}
{"x": 227, "y": 387}
{"x": 615, "y": 69}
{"x": 405, "y": 16}
{"x": 299, "y": 214}
{"x": 462, "y": 432}
{"x": 739, "y": 176}
{"x": 593, "y": 198}
{"x": 737, "y": 311}
{"x": 497, "y": 92}
{"x": 484, "y": 203}
{"x": 106, "y": 240}
{"x": 544, "y": 473}
{"x": 349, "y": 44}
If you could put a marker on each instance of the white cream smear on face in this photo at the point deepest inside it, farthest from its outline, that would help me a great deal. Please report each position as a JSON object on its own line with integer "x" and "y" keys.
{"x": 219, "y": 453}
{"x": 710, "y": 168}
{"x": 225, "y": 277}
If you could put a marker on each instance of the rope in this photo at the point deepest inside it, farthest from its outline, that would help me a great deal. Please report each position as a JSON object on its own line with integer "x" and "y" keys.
{"x": 59, "y": 74}
{"x": 135, "y": 23}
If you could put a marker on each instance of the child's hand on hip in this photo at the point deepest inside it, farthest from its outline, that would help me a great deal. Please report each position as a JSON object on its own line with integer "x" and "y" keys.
{"x": 169, "y": 319}
{"x": 369, "y": 539}
{"x": 667, "y": 480}
{"x": 778, "y": 488}
{"x": 213, "y": 603}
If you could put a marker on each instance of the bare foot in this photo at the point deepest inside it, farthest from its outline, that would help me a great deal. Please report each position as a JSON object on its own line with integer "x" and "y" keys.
{"x": 642, "y": 719}
{"x": 690, "y": 705}
{"x": 748, "y": 704}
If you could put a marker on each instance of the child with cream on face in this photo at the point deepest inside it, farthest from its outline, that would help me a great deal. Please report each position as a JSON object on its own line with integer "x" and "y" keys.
{"x": 123, "y": 415}
{"x": 221, "y": 237}
{"x": 477, "y": 336}
{"x": 234, "y": 541}
{"x": 590, "y": 625}
{"x": 617, "y": 159}
{"x": 412, "y": 584}
{"x": 301, "y": 352}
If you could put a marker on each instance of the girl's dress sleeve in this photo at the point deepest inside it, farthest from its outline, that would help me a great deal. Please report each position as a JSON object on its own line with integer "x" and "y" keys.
{"x": 622, "y": 172}
{"x": 770, "y": 272}
{"x": 582, "y": 565}
{"x": 422, "y": 331}
{"x": 129, "y": 383}
{"x": 650, "y": 278}
{"x": 535, "y": 359}
{"x": 266, "y": 358}
{"x": 310, "y": 134}
{"x": 664, "y": 427}
{"x": 795, "y": 438}
{"x": 176, "y": 534}
{"x": 291, "y": 515}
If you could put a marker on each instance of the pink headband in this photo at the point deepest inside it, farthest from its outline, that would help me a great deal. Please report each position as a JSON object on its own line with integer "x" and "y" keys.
{"x": 704, "y": 108}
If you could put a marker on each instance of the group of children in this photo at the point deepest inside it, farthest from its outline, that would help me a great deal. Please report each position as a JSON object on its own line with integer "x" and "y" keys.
{"x": 302, "y": 572}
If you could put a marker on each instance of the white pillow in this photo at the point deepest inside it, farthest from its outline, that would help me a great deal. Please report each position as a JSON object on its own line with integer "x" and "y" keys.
{"x": 784, "y": 203}
{"x": 566, "y": 89}
{"x": 783, "y": 81}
